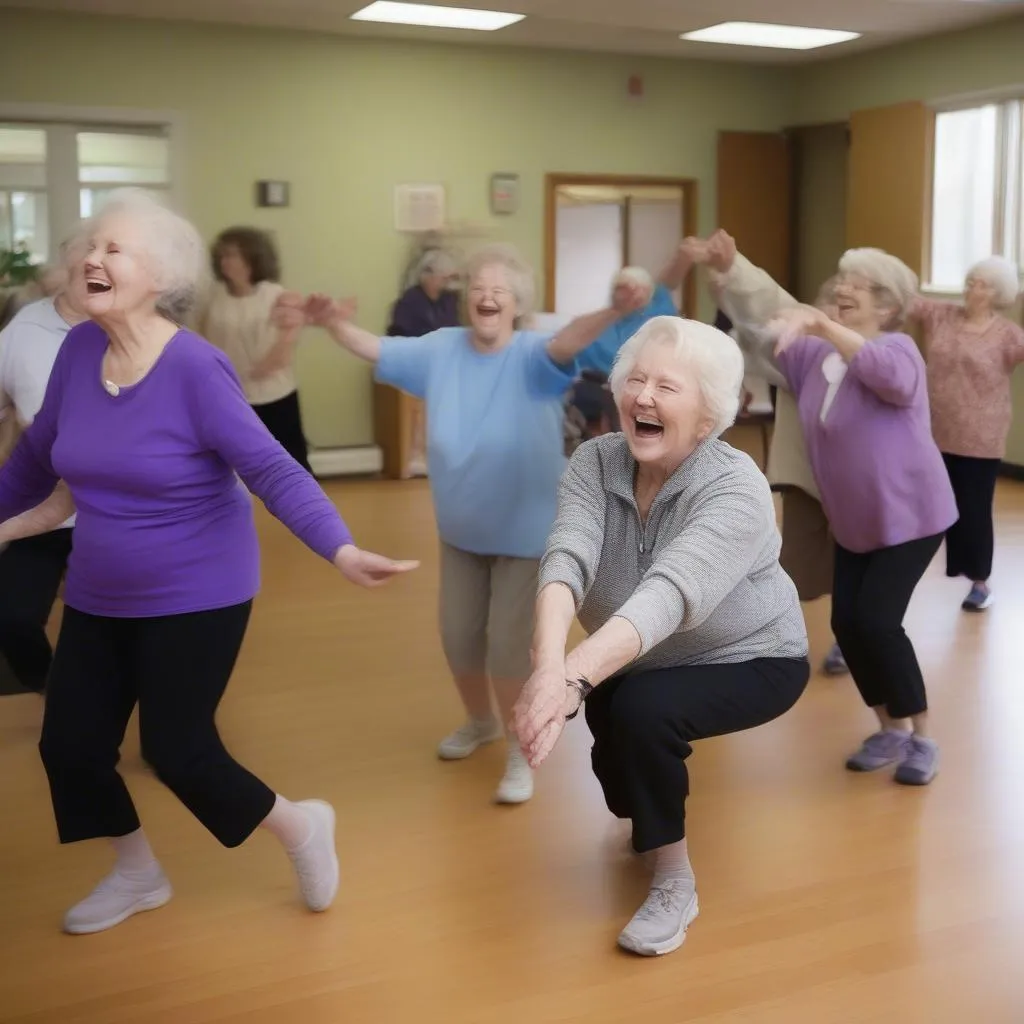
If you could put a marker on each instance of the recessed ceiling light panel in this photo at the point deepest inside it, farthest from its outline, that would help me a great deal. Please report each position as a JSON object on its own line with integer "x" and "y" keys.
{"x": 782, "y": 37}
{"x": 433, "y": 16}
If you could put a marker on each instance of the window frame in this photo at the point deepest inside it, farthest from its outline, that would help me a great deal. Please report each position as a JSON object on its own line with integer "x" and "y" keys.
{"x": 63, "y": 123}
{"x": 1010, "y": 108}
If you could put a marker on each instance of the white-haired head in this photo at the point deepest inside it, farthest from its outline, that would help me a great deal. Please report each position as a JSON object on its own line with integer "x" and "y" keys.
{"x": 499, "y": 293}
{"x": 633, "y": 276}
{"x": 171, "y": 249}
{"x": 1001, "y": 277}
{"x": 435, "y": 262}
{"x": 701, "y": 353}
{"x": 893, "y": 285}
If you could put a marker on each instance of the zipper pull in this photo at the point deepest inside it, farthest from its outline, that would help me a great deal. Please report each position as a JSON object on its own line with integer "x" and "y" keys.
{"x": 641, "y": 545}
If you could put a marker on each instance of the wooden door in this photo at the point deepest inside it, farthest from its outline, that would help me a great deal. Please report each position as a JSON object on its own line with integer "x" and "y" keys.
{"x": 890, "y": 181}
{"x": 755, "y": 198}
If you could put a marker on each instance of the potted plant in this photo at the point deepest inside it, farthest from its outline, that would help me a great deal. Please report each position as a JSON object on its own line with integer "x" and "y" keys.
{"x": 16, "y": 267}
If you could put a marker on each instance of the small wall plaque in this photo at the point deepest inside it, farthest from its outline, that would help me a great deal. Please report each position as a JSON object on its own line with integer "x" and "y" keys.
{"x": 504, "y": 193}
{"x": 272, "y": 193}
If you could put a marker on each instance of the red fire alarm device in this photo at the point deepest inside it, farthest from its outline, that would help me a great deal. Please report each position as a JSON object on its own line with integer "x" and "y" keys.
{"x": 635, "y": 86}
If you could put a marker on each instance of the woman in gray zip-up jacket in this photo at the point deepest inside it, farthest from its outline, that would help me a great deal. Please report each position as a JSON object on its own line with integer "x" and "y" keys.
{"x": 666, "y": 548}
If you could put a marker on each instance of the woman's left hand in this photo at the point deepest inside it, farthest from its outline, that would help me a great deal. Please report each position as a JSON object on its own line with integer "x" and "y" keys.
{"x": 797, "y": 322}
{"x": 539, "y": 715}
{"x": 367, "y": 569}
{"x": 289, "y": 311}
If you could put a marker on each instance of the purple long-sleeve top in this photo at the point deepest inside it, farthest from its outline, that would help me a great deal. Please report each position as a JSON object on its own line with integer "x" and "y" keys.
{"x": 416, "y": 313}
{"x": 881, "y": 476}
{"x": 164, "y": 524}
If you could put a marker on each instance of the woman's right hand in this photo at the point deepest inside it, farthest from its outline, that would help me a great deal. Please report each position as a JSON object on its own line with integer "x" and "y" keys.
{"x": 721, "y": 253}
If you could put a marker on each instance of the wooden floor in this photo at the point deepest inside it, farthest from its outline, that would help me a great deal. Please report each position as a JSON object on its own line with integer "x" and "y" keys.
{"x": 827, "y": 898}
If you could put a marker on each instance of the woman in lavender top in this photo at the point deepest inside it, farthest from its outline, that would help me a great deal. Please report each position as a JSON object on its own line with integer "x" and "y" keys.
{"x": 862, "y": 394}
{"x": 148, "y": 426}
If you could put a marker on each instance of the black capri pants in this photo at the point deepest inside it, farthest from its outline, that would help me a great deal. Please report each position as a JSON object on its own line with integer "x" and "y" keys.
{"x": 176, "y": 668}
{"x": 644, "y": 723}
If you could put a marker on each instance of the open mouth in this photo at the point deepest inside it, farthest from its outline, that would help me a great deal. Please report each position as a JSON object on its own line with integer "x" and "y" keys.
{"x": 845, "y": 307}
{"x": 647, "y": 427}
{"x": 487, "y": 311}
{"x": 97, "y": 287}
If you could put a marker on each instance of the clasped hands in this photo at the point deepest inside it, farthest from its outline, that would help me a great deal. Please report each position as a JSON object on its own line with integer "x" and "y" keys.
{"x": 293, "y": 310}
{"x": 540, "y": 714}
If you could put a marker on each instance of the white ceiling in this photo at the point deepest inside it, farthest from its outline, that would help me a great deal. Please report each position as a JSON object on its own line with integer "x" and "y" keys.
{"x": 617, "y": 26}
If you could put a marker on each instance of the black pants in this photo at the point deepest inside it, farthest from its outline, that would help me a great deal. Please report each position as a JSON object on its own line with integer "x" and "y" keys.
{"x": 31, "y": 571}
{"x": 644, "y": 722}
{"x": 176, "y": 668}
{"x": 971, "y": 539}
{"x": 283, "y": 419}
{"x": 869, "y": 600}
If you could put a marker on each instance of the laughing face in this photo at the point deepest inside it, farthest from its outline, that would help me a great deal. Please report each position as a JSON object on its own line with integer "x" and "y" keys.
{"x": 492, "y": 306}
{"x": 661, "y": 407}
{"x": 979, "y": 295}
{"x": 858, "y": 306}
{"x": 115, "y": 280}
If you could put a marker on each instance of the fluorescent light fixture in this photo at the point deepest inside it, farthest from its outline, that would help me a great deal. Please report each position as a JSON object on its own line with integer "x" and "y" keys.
{"x": 781, "y": 37}
{"x": 436, "y": 17}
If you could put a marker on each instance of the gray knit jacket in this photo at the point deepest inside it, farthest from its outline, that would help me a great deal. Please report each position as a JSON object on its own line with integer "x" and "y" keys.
{"x": 700, "y": 581}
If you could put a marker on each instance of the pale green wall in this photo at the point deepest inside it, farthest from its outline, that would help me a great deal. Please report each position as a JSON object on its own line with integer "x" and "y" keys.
{"x": 989, "y": 57}
{"x": 345, "y": 120}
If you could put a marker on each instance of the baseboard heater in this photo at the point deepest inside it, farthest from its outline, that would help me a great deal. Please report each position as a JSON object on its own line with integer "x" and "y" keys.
{"x": 363, "y": 461}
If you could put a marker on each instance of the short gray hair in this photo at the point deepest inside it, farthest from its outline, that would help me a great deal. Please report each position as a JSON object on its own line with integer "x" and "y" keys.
{"x": 634, "y": 275}
{"x": 713, "y": 356}
{"x": 1002, "y": 275}
{"x": 890, "y": 278}
{"x": 435, "y": 261}
{"x": 520, "y": 273}
{"x": 175, "y": 253}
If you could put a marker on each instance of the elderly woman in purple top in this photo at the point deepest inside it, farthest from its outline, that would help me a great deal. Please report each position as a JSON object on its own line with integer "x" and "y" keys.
{"x": 862, "y": 394}
{"x": 148, "y": 426}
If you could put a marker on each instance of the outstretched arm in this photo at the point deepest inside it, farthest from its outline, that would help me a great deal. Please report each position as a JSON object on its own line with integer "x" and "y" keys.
{"x": 336, "y": 318}
{"x": 572, "y": 339}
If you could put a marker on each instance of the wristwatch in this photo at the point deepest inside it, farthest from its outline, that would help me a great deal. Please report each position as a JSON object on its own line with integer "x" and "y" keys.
{"x": 583, "y": 688}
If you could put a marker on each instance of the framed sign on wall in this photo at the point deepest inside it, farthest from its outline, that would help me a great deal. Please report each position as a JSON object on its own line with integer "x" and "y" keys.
{"x": 419, "y": 208}
{"x": 504, "y": 193}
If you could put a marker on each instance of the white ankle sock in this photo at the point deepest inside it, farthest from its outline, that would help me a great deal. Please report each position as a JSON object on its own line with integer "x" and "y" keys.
{"x": 290, "y": 823}
{"x": 135, "y": 856}
{"x": 672, "y": 864}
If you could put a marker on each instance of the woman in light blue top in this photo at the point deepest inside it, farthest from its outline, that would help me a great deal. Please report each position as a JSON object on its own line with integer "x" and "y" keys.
{"x": 494, "y": 453}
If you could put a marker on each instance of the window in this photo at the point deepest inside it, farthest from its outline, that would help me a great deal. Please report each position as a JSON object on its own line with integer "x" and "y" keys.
{"x": 976, "y": 189}
{"x": 52, "y": 174}
{"x": 23, "y": 207}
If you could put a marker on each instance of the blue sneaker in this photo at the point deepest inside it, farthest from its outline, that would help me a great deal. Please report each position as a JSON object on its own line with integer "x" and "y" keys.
{"x": 978, "y": 599}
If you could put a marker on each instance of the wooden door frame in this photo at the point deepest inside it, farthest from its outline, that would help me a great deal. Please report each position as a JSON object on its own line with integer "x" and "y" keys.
{"x": 552, "y": 182}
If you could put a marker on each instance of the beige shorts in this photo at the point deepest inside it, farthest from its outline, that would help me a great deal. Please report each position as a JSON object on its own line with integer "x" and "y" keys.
{"x": 487, "y": 605}
{"x": 808, "y": 550}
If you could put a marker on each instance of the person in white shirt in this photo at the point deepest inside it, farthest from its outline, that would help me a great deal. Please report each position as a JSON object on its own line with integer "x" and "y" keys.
{"x": 237, "y": 318}
{"x": 31, "y": 569}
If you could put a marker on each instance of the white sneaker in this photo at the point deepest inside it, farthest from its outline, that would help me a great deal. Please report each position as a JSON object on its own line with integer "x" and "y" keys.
{"x": 316, "y": 860}
{"x": 660, "y": 925}
{"x": 467, "y": 738}
{"x": 115, "y": 899}
{"x": 517, "y": 785}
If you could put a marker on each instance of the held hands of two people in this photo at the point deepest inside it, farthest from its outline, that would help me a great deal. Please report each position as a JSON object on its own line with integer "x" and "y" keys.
{"x": 294, "y": 310}
{"x": 797, "y": 322}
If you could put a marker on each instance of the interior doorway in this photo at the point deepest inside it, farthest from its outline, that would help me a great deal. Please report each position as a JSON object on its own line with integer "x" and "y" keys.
{"x": 597, "y": 224}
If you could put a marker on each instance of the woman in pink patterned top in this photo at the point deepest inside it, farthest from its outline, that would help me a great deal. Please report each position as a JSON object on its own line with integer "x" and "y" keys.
{"x": 971, "y": 352}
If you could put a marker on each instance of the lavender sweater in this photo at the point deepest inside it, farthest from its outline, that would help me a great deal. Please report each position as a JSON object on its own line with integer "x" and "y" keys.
{"x": 164, "y": 525}
{"x": 880, "y": 473}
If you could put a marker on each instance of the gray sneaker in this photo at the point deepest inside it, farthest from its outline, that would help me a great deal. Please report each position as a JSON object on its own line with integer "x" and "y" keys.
{"x": 879, "y": 750}
{"x": 921, "y": 763}
{"x": 659, "y": 926}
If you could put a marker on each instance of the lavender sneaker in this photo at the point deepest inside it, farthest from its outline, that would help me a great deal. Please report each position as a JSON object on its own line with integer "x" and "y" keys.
{"x": 880, "y": 749}
{"x": 921, "y": 763}
{"x": 978, "y": 599}
{"x": 835, "y": 663}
